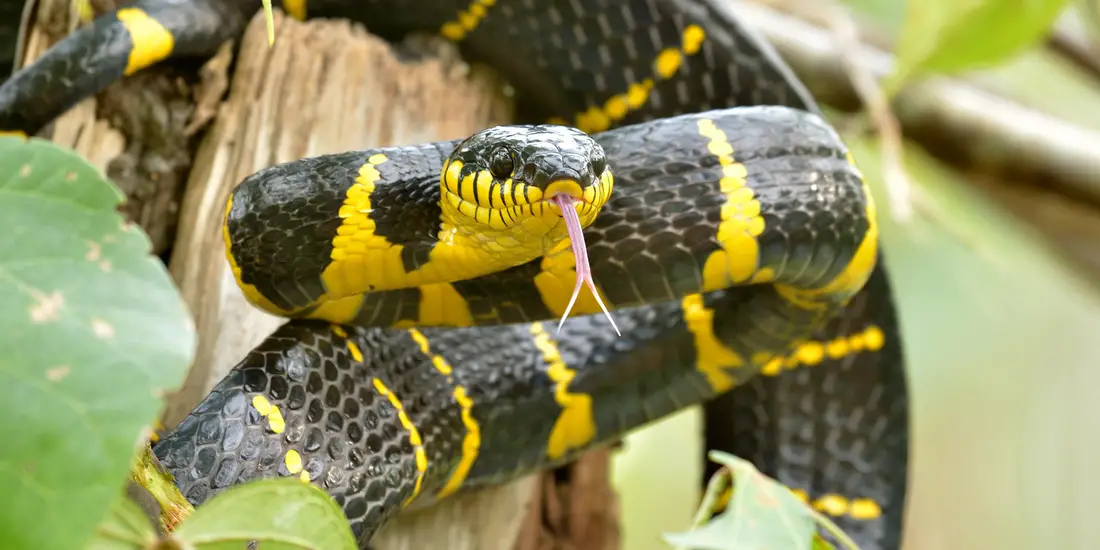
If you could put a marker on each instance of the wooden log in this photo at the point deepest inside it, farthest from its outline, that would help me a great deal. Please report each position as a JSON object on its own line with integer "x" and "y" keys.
{"x": 576, "y": 508}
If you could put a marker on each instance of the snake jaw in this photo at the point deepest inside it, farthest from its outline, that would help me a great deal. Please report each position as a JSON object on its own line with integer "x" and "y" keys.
{"x": 580, "y": 256}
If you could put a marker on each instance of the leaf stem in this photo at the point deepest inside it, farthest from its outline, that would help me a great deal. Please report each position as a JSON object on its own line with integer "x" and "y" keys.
{"x": 718, "y": 483}
{"x": 148, "y": 473}
{"x": 833, "y": 530}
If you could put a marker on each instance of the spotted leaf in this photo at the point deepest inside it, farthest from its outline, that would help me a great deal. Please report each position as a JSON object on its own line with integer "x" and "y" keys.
{"x": 93, "y": 332}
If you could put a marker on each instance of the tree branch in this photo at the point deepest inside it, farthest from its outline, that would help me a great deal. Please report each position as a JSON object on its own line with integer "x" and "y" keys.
{"x": 951, "y": 118}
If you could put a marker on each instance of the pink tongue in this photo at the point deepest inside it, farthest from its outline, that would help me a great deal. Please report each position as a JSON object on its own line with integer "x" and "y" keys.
{"x": 580, "y": 257}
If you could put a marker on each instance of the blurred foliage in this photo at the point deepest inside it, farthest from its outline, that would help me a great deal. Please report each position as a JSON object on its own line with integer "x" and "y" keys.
{"x": 1033, "y": 76}
{"x": 761, "y": 514}
{"x": 1044, "y": 81}
{"x": 125, "y": 528}
{"x": 1000, "y": 345}
{"x": 949, "y": 36}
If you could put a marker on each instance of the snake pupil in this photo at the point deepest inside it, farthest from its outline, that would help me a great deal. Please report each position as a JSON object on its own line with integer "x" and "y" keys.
{"x": 500, "y": 163}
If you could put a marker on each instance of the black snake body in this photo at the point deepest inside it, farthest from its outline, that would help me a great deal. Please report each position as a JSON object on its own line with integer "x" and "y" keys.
{"x": 808, "y": 384}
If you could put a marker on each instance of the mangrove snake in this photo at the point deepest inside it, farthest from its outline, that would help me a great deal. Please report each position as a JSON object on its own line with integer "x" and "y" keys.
{"x": 737, "y": 251}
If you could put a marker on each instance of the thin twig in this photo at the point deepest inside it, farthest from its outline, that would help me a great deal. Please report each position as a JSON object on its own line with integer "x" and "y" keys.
{"x": 1079, "y": 53}
{"x": 898, "y": 186}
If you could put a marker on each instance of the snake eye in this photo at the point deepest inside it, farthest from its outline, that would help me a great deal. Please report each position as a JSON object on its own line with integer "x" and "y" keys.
{"x": 599, "y": 164}
{"x": 500, "y": 163}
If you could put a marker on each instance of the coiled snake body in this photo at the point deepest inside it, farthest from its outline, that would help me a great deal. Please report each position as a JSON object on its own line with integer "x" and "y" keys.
{"x": 737, "y": 252}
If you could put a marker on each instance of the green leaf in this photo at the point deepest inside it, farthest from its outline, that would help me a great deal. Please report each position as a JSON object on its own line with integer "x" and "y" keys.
{"x": 950, "y": 36}
{"x": 762, "y": 514}
{"x": 280, "y": 513}
{"x": 93, "y": 333}
{"x": 125, "y": 528}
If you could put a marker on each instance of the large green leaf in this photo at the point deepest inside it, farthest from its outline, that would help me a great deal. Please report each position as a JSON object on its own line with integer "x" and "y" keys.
{"x": 949, "y": 36}
{"x": 282, "y": 514}
{"x": 92, "y": 331}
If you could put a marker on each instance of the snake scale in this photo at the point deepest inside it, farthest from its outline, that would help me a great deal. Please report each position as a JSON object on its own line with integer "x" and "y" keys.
{"x": 726, "y": 227}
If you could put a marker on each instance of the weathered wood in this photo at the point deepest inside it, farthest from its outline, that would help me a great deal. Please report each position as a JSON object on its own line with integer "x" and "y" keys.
{"x": 576, "y": 508}
{"x": 957, "y": 120}
{"x": 133, "y": 131}
{"x": 327, "y": 86}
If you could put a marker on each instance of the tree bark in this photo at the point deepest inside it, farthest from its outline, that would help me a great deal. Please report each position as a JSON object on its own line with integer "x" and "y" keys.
{"x": 576, "y": 508}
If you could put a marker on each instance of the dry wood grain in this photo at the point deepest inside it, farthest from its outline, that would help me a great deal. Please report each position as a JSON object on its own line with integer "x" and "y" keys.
{"x": 576, "y": 508}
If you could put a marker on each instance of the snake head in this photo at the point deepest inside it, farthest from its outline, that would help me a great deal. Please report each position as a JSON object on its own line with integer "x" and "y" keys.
{"x": 521, "y": 190}
{"x": 500, "y": 184}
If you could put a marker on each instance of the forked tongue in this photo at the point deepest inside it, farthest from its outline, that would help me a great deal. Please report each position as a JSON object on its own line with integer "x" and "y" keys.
{"x": 580, "y": 258}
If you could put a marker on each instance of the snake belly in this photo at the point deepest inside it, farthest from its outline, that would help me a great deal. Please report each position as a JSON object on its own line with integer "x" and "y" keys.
{"x": 388, "y": 417}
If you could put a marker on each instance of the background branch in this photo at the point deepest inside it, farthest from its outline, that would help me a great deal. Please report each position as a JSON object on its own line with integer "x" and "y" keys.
{"x": 953, "y": 119}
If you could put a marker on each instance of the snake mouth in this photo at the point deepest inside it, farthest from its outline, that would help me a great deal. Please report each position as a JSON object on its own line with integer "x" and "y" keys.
{"x": 568, "y": 187}
{"x": 504, "y": 205}
{"x": 518, "y": 196}
{"x": 571, "y": 189}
